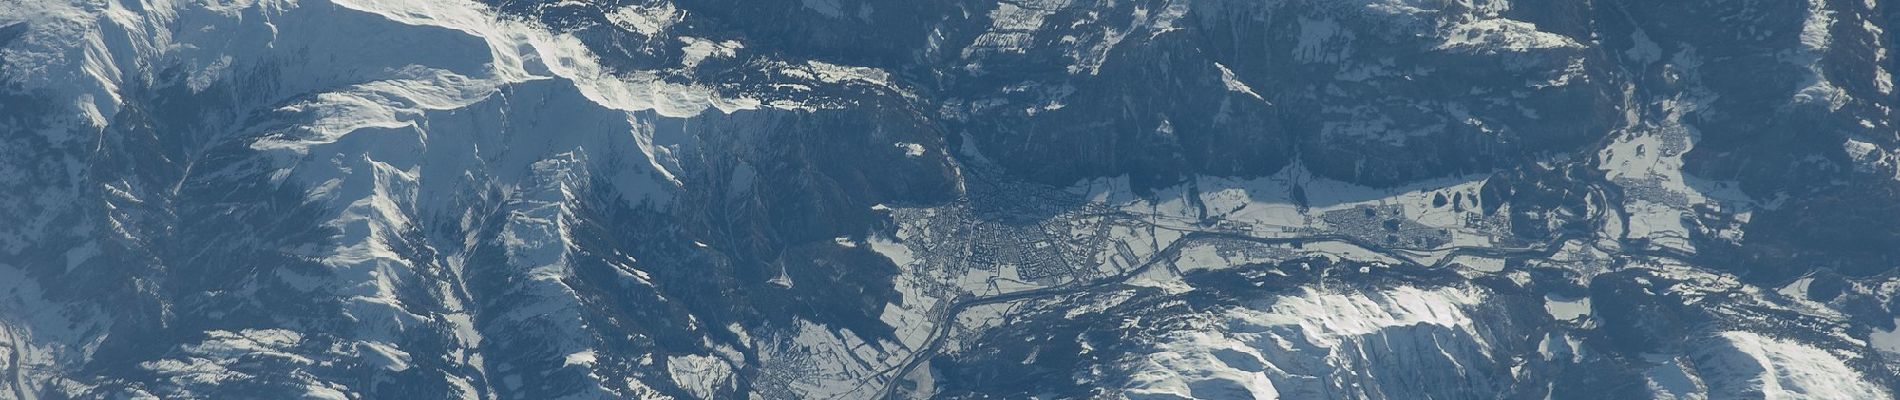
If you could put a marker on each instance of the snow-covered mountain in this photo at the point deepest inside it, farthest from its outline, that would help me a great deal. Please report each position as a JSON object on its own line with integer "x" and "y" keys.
{"x": 1356, "y": 199}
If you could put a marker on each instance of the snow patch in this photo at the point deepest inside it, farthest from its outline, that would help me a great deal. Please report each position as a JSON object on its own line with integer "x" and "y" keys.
{"x": 648, "y": 20}
{"x": 1234, "y": 84}
{"x": 1566, "y": 309}
{"x": 1746, "y": 364}
{"x": 704, "y": 376}
{"x": 911, "y": 149}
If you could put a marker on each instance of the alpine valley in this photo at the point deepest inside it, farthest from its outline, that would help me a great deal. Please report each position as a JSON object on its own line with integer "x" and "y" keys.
{"x": 858, "y": 199}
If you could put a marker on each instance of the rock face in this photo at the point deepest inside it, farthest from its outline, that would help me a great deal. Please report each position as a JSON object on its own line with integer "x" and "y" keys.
{"x": 1353, "y": 199}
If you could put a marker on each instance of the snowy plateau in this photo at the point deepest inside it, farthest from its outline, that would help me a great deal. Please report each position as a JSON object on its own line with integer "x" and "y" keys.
{"x": 959, "y": 199}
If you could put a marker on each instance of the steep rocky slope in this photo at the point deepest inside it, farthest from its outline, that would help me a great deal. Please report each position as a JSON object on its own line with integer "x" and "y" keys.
{"x": 856, "y": 199}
